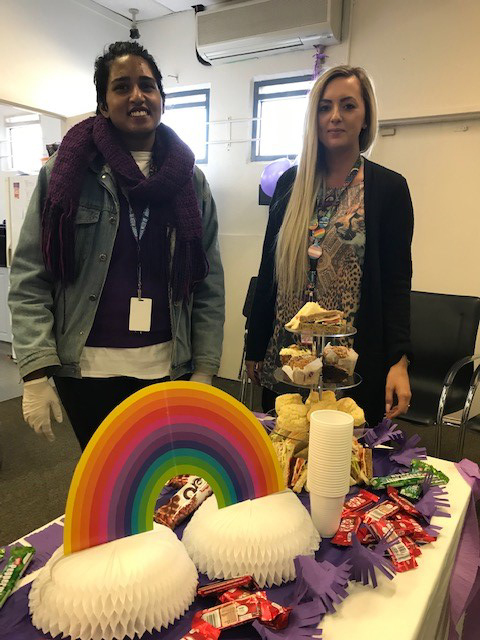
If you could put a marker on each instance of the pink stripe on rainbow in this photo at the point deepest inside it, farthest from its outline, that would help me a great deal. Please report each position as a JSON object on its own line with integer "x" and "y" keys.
{"x": 159, "y": 432}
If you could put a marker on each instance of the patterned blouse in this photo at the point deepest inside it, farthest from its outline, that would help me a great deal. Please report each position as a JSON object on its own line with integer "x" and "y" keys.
{"x": 339, "y": 275}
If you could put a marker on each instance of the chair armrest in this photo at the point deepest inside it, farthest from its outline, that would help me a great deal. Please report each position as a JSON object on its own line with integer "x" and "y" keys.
{"x": 474, "y": 382}
{"x": 447, "y": 383}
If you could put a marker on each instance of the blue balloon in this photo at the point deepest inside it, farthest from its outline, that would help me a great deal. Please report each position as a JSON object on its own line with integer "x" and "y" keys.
{"x": 272, "y": 173}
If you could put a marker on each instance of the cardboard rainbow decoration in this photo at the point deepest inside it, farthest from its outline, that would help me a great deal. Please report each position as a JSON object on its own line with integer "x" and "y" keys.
{"x": 161, "y": 431}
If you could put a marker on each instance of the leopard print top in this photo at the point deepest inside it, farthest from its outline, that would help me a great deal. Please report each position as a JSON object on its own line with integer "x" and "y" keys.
{"x": 339, "y": 272}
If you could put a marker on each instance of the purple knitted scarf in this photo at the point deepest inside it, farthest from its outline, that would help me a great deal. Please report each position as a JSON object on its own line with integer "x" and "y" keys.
{"x": 171, "y": 185}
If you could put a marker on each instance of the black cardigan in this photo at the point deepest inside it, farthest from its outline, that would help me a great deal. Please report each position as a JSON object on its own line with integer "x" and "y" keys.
{"x": 383, "y": 317}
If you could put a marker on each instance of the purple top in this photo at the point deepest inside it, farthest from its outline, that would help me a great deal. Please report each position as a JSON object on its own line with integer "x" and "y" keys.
{"x": 110, "y": 327}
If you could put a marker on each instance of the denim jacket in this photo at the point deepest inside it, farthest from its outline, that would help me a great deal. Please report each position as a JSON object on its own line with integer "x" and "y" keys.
{"x": 51, "y": 324}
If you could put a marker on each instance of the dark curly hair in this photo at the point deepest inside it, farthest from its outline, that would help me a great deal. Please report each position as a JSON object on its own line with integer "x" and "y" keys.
{"x": 116, "y": 50}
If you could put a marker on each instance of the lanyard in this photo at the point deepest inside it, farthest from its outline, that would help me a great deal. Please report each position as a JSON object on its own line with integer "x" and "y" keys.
{"x": 325, "y": 208}
{"x": 138, "y": 235}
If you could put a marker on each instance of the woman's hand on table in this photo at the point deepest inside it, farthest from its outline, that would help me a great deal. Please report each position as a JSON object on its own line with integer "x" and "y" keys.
{"x": 254, "y": 369}
{"x": 397, "y": 388}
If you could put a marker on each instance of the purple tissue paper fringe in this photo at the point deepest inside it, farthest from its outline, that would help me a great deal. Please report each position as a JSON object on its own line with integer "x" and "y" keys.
{"x": 407, "y": 451}
{"x": 385, "y": 431}
{"x": 302, "y": 623}
{"x": 364, "y": 561}
{"x": 321, "y": 580}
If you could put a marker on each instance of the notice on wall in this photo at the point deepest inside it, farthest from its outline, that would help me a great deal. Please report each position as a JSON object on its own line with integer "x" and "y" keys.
{"x": 16, "y": 190}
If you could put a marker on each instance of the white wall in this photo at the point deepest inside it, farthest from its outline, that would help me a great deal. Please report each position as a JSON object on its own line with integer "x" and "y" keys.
{"x": 423, "y": 59}
{"x": 233, "y": 178}
{"x": 423, "y": 55}
{"x": 51, "y": 129}
{"x": 47, "y": 49}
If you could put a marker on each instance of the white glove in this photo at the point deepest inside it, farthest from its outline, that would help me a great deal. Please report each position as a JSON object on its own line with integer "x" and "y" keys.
{"x": 198, "y": 376}
{"x": 38, "y": 398}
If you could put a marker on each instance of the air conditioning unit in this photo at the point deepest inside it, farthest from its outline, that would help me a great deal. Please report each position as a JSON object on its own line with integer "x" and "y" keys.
{"x": 238, "y": 31}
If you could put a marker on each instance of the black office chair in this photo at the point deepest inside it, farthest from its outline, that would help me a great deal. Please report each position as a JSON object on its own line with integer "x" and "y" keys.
{"x": 246, "y": 385}
{"x": 467, "y": 423}
{"x": 443, "y": 330}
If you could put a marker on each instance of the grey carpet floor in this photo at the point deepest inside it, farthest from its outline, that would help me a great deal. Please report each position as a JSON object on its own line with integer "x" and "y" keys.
{"x": 35, "y": 474}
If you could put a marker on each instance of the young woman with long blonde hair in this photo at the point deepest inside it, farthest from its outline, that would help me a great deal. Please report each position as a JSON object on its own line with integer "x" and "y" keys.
{"x": 361, "y": 250}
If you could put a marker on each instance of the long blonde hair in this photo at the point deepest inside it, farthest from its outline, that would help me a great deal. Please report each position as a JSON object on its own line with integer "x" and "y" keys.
{"x": 292, "y": 243}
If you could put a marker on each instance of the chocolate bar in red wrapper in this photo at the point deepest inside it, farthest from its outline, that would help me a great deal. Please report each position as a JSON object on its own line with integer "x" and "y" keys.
{"x": 183, "y": 503}
{"x": 216, "y": 588}
{"x": 201, "y": 630}
{"x": 413, "y": 528}
{"x": 359, "y": 501}
{"x": 365, "y": 536}
{"x": 383, "y": 510}
{"x": 233, "y": 614}
{"x": 348, "y": 526}
{"x": 401, "y": 556}
{"x": 272, "y": 615}
{"x": 232, "y": 594}
{"x": 414, "y": 548}
{"x": 403, "y": 503}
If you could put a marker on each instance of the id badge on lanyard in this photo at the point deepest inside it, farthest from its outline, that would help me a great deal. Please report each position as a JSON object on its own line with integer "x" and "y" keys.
{"x": 140, "y": 317}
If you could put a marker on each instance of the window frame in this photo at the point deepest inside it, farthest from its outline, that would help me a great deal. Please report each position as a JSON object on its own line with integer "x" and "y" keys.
{"x": 11, "y": 123}
{"x": 257, "y": 99}
{"x": 185, "y": 105}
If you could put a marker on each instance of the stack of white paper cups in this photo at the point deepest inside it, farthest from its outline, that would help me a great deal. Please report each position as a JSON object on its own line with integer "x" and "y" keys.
{"x": 329, "y": 460}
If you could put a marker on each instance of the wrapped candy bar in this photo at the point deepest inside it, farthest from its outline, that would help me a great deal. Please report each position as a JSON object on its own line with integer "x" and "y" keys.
{"x": 177, "y": 482}
{"x": 412, "y": 492}
{"x": 359, "y": 501}
{"x": 201, "y": 630}
{"x": 384, "y": 510}
{"x": 412, "y": 546}
{"x": 233, "y": 614}
{"x": 438, "y": 476}
{"x": 398, "y": 479}
{"x": 413, "y": 528}
{"x": 348, "y": 526}
{"x": 232, "y": 594}
{"x": 403, "y": 503}
{"x": 273, "y": 615}
{"x": 401, "y": 556}
{"x": 221, "y": 586}
{"x": 17, "y": 563}
{"x": 365, "y": 536}
{"x": 183, "y": 503}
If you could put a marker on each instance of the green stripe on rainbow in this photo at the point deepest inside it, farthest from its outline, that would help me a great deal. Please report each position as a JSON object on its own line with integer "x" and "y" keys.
{"x": 161, "y": 431}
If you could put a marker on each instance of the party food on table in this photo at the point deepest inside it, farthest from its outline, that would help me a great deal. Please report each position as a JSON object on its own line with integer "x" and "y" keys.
{"x": 291, "y": 433}
{"x": 361, "y": 470}
{"x": 338, "y": 363}
{"x": 287, "y": 398}
{"x": 314, "y": 318}
{"x": 303, "y": 369}
{"x": 294, "y": 350}
{"x": 350, "y": 406}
